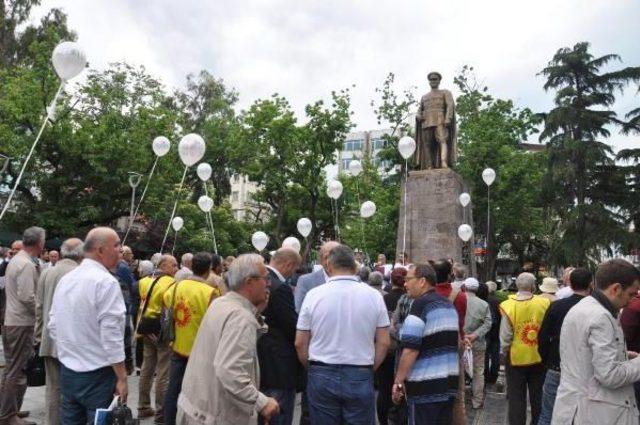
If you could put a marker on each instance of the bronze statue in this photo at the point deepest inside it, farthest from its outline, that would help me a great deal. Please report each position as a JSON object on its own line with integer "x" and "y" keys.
{"x": 436, "y": 127}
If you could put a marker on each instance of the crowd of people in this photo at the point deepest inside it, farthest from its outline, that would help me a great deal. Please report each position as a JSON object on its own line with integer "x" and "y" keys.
{"x": 235, "y": 340}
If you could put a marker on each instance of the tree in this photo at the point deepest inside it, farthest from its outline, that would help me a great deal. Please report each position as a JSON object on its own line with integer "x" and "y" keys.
{"x": 490, "y": 131}
{"x": 583, "y": 183}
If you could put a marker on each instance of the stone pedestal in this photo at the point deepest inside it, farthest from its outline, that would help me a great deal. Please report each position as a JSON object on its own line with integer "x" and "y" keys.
{"x": 434, "y": 214}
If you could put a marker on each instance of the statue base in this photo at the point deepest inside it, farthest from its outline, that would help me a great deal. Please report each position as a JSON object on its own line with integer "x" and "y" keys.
{"x": 434, "y": 214}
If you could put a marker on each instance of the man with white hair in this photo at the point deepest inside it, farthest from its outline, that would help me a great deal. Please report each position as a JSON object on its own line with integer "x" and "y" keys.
{"x": 222, "y": 379}
{"x": 565, "y": 291}
{"x": 71, "y": 252}
{"x": 309, "y": 281}
{"x": 519, "y": 342}
{"x": 186, "y": 263}
{"x": 20, "y": 317}
{"x": 87, "y": 324}
{"x": 476, "y": 325}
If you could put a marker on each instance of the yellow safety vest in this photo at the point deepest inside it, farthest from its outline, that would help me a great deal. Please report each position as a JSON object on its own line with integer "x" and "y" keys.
{"x": 190, "y": 300}
{"x": 154, "y": 309}
{"x": 525, "y": 318}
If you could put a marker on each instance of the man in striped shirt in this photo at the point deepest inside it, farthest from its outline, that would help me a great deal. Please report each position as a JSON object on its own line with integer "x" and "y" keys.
{"x": 429, "y": 366}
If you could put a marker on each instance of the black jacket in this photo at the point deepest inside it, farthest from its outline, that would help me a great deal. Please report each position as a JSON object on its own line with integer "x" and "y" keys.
{"x": 549, "y": 334}
{"x": 279, "y": 365}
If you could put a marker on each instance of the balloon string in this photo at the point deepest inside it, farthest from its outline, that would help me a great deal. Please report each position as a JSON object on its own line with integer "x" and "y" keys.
{"x": 404, "y": 227}
{"x": 361, "y": 218}
{"x": 33, "y": 147}
{"x": 210, "y": 222}
{"x": 175, "y": 205}
{"x": 175, "y": 239}
{"x": 144, "y": 192}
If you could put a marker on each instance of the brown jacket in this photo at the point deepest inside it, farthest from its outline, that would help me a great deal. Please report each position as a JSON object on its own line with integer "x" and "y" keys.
{"x": 222, "y": 378}
{"x": 20, "y": 286}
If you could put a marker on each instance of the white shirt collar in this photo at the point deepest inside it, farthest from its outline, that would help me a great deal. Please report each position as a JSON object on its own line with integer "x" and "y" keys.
{"x": 278, "y": 274}
{"x": 353, "y": 278}
{"x": 94, "y": 263}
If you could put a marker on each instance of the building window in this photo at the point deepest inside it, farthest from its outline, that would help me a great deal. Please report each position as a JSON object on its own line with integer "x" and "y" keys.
{"x": 345, "y": 163}
{"x": 234, "y": 196}
{"x": 379, "y": 144}
{"x": 353, "y": 145}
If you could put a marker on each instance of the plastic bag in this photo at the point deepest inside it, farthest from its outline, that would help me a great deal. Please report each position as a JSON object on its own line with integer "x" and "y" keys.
{"x": 467, "y": 361}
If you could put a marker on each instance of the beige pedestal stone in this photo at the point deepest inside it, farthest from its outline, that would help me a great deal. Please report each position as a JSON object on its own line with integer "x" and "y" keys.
{"x": 434, "y": 214}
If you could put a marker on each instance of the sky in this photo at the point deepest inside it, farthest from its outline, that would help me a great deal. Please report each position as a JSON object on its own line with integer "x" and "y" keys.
{"x": 304, "y": 49}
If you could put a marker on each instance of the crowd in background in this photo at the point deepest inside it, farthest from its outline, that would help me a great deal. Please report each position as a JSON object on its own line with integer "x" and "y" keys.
{"x": 235, "y": 340}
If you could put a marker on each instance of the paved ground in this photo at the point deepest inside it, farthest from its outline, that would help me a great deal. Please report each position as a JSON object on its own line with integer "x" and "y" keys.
{"x": 494, "y": 411}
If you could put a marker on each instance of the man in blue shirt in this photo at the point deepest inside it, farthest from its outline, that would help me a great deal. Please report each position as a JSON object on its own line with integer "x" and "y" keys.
{"x": 429, "y": 365}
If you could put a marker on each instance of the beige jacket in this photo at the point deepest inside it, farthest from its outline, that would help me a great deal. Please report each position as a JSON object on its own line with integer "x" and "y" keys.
{"x": 44, "y": 298}
{"x": 596, "y": 383}
{"x": 20, "y": 288}
{"x": 222, "y": 378}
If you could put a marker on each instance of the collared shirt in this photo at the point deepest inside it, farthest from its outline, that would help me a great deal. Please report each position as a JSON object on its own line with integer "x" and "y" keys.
{"x": 87, "y": 318}
{"x": 342, "y": 316}
{"x": 602, "y": 299}
{"x": 21, "y": 279}
{"x": 277, "y": 273}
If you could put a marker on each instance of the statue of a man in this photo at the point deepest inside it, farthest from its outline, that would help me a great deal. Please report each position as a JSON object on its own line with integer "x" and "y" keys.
{"x": 436, "y": 127}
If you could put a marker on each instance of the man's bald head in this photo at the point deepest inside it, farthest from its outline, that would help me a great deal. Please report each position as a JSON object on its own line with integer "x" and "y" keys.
{"x": 102, "y": 244}
{"x": 72, "y": 249}
{"x": 286, "y": 261}
{"x": 325, "y": 249}
{"x": 168, "y": 265}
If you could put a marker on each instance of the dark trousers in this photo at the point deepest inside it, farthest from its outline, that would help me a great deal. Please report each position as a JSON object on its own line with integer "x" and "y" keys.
{"x": 18, "y": 350}
{"x": 440, "y": 413}
{"x": 492, "y": 361}
{"x": 287, "y": 400}
{"x": 85, "y": 392}
{"x": 341, "y": 394}
{"x": 128, "y": 343}
{"x": 176, "y": 375}
{"x": 520, "y": 380}
{"x": 384, "y": 379}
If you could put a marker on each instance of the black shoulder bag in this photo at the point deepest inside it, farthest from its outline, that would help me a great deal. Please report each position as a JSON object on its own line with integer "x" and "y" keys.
{"x": 148, "y": 325}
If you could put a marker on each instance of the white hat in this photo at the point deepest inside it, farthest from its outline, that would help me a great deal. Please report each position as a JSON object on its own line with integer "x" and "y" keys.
{"x": 549, "y": 285}
{"x": 471, "y": 284}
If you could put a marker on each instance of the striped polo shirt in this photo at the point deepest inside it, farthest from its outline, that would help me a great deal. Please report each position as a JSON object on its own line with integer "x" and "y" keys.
{"x": 432, "y": 329}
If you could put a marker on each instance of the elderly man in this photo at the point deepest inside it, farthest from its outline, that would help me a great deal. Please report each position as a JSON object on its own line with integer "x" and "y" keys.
{"x": 596, "y": 382}
{"x": 54, "y": 256}
{"x": 156, "y": 354}
{"x": 87, "y": 324}
{"x": 16, "y": 246}
{"x": 222, "y": 378}
{"x": 476, "y": 325}
{"x": 72, "y": 254}
{"x": 186, "y": 263}
{"x": 519, "y": 341}
{"x": 279, "y": 366}
{"x": 309, "y": 281}
{"x": 343, "y": 337}
{"x": 129, "y": 288}
{"x": 20, "y": 317}
{"x": 565, "y": 291}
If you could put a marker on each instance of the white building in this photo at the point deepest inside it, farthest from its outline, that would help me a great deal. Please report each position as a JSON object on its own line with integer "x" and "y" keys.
{"x": 360, "y": 144}
{"x": 242, "y": 190}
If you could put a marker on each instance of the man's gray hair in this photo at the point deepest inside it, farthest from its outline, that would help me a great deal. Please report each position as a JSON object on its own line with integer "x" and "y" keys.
{"x": 526, "y": 282}
{"x": 72, "y": 249}
{"x": 342, "y": 257}
{"x": 155, "y": 258}
{"x": 33, "y": 236}
{"x": 459, "y": 271}
{"x": 375, "y": 279}
{"x": 186, "y": 258}
{"x": 244, "y": 267}
{"x": 145, "y": 268}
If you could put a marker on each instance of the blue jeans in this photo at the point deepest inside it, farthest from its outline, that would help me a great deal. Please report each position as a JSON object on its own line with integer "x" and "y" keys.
{"x": 341, "y": 394}
{"x": 83, "y": 393}
{"x": 549, "y": 391}
{"x": 176, "y": 375}
{"x": 287, "y": 400}
{"x": 439, "y": 413}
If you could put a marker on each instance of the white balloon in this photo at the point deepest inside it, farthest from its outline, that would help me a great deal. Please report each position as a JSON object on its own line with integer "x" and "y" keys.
{"x": 489, "y": 176}
{"x": 205, "y": 203}
{"x": 367, "y": 209}
{"x": 291, "y": 242}
{"x": 465, "y": 232}
{"x": 407, "y": 146}
{"x": 191, "y": 149}
{"x": 355, "y": 167}
{"x": 464, "y": 198}
{"x": 204, "y": 171}
{"x": 334, "y": 189}
{"x": 68, "y": 60}
{"x": 304, "y": 227}
{"x": 259, "y": 240}
{"x": 161, "y": 146}
{"x": 177, "y": 223}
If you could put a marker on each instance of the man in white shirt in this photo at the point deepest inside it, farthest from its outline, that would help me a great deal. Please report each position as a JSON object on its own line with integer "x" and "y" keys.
{"x": 342, "y": 336}
{"x": 87, "y": 322}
